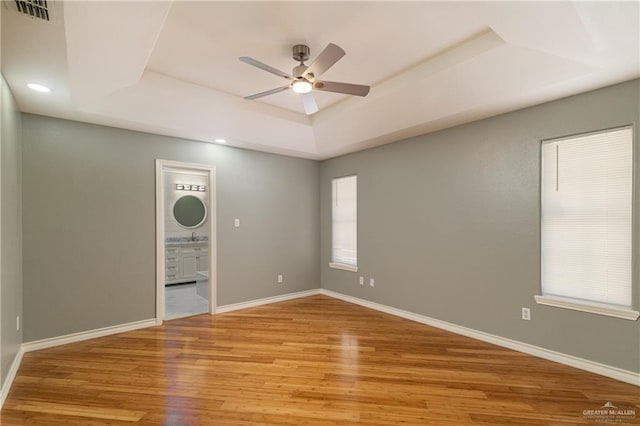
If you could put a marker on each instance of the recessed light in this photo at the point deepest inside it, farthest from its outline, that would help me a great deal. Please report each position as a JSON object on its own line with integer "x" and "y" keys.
{"x": 38, "y": 87}
{"x": 218, "y": 140}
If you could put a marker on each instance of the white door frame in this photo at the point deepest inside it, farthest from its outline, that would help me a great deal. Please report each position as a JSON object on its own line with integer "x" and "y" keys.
{"x": 161, "y": 165}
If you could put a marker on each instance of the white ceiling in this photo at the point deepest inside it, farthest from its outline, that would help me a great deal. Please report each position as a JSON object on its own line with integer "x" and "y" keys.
{"x": 172, "y": 68}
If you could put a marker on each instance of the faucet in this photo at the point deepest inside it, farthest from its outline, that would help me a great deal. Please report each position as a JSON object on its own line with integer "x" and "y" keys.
{"x": 194, "y": 235}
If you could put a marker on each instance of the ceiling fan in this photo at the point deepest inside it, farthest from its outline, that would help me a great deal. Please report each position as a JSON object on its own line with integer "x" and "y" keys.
{"x": 304, "y": 79}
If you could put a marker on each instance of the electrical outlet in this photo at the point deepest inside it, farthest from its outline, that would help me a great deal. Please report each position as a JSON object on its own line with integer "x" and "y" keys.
{"x": 236, "y": 223}
{"x": 18, "y": 323}
{"x": 526, "y": 314}
{"x": 361, "y": 280}
{"x": 280, "y": 278}
{"x": 372, "y": 282}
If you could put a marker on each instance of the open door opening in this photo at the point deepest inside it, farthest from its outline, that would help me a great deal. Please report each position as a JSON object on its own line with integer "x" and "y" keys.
{"x": 185, "y": 240}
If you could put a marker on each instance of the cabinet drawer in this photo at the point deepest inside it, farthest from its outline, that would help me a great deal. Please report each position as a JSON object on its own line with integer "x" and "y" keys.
{"x": 171, "y": 275}
{"x": 171, "y": 258}
{"x": 187, "y": 250}
{"x": 171, "y": 250}
{"x": 171, "y": 268}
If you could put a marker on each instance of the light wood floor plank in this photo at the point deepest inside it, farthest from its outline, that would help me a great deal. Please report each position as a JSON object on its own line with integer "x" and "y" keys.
{"x": 312, "y": 361}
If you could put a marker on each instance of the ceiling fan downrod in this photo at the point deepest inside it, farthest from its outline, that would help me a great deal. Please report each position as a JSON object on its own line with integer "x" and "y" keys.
{"x": 300, "y": 53}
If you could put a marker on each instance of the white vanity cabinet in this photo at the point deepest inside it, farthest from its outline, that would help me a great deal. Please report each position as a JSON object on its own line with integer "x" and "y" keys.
{"x": 184, "y": 260}
{"x": 194, "y": 259}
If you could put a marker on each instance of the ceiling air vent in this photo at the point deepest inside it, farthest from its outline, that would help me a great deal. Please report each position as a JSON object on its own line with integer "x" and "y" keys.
{"x": 38, "y": 9}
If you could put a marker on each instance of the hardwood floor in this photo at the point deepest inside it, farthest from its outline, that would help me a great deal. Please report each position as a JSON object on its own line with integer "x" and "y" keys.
{"x": 312, "y": 361}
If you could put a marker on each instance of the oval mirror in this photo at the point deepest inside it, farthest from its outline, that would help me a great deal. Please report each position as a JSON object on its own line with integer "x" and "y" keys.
{"x": 190, "y": 211}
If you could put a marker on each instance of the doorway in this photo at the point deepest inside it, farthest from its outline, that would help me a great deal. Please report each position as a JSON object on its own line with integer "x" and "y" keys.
{"x": 185, "y": 239}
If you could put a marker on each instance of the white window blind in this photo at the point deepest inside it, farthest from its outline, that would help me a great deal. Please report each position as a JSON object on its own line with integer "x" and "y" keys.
{"x": 344, "y": 226}
{"x": 586, "y": 217}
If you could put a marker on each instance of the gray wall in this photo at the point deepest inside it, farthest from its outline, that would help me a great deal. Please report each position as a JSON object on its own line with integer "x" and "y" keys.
{"x": 449, "y": 226}
{"x": 10, "y": 228}
{"x": 89, "y": 223}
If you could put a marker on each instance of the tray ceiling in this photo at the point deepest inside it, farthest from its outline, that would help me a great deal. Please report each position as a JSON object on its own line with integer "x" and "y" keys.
{"x": 172, "y": 68}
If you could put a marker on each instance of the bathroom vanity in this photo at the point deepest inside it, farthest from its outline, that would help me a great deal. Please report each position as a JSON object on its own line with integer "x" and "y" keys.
{"x": 183, "y": 259}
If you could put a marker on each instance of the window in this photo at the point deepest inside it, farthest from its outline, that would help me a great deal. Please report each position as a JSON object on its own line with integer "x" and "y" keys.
{"x": 586, "y": 195}
{"x": 344, "y": 223}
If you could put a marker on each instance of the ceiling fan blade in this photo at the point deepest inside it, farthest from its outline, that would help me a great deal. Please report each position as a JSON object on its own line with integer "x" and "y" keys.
{"x": 309, "y": 102}
{"x": 346, "y": 88}
{"x": 325, "y": 60}
{"x": 268, "y": 92}
{"x": 265, "y": 67}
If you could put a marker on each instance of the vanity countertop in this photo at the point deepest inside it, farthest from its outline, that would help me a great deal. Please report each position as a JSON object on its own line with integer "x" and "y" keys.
{"x": 185, "y": 241}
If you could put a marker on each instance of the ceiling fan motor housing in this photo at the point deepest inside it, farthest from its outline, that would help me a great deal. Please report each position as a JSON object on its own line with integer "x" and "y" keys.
{"x": 298, "y": 71}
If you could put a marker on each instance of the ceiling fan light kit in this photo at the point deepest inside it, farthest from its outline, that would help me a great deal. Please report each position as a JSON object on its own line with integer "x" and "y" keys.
{"x": 301, "y": 86}
{"x": 304, "y": 78}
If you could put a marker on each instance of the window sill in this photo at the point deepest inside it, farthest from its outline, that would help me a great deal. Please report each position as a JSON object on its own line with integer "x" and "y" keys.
{"x": 343, "y": 266}
{"x": 594, "y": 308}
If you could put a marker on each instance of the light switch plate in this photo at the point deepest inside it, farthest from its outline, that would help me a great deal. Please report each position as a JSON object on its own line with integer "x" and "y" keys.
{"x": 236, "y": 223}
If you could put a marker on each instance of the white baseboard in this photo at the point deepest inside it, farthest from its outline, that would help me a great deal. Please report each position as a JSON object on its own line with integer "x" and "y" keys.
{"x": 106, "y": 331}
{"x": 266, "y": 301}
{"x": 11, "y": 375}
{"x": 86, "y": 335}
{"x": 572, "y": 361}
